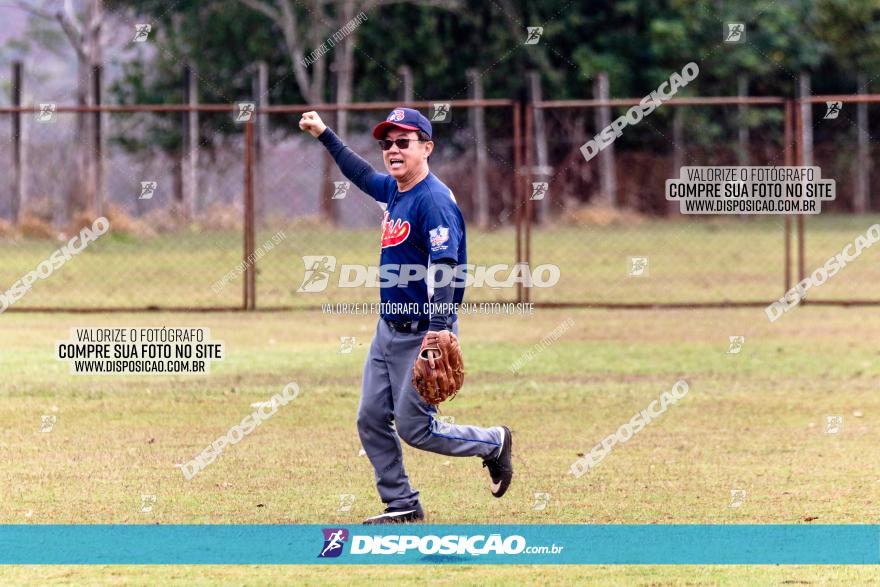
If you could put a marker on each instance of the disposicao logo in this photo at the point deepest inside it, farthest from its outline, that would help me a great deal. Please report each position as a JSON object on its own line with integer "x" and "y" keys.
{"x": 334, "y": 540}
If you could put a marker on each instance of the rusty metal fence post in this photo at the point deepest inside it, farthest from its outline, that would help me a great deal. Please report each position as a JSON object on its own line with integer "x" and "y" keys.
{"x": 96, "y": 138}
{"x": 250, "y": 272}
{"x": 18, "y": 203}
{"x": 517, "y": 187}
{"x": 528, "y": 192}
{"x": 799, "y": 160}
{"x": 789, "y": 160}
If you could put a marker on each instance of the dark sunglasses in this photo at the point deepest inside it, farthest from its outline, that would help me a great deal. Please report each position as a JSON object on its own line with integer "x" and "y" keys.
{"x": 401, "y": 143}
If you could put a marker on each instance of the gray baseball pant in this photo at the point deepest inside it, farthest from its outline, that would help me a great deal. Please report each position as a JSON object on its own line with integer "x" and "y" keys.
{"x": 389, "y": 401}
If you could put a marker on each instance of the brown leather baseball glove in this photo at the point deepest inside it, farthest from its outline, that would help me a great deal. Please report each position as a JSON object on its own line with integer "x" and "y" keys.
{"x": 438, "y": 371}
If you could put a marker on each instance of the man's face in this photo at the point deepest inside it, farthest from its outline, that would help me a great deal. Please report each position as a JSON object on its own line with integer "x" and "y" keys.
{"x": 402, "y": 162}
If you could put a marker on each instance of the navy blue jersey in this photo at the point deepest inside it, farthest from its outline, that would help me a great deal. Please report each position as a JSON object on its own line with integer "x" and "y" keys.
{"x": 420, "y": 226}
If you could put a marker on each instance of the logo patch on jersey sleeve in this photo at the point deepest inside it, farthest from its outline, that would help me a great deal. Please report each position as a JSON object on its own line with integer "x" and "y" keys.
{"x": 438, "y": 237}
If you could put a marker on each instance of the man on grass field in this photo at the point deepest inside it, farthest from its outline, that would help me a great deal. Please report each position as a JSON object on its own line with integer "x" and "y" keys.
{"x": 422, "y": 225}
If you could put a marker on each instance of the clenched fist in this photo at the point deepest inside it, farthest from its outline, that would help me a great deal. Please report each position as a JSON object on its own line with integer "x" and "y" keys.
{"x": 312, "y": 123}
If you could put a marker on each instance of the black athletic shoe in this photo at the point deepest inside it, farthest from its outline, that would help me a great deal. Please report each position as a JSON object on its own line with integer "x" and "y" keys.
{"x": 501, "y": 467}
{"x": 398, "y": 516}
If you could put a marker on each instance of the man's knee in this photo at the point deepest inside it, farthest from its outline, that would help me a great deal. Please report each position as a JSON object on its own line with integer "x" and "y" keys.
{"x": 372, "y": 418}
{"x": 416, "y": 432}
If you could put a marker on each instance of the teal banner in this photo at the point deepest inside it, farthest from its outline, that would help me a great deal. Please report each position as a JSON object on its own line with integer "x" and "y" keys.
{"x": 440, "y": 544}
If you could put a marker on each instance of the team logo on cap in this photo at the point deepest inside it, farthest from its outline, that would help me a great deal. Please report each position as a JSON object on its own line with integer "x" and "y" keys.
{"x": 396, "y": 115}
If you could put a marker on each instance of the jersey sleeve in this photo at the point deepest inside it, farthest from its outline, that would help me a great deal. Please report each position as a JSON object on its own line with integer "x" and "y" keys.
{"x": 442, "y": 225}
{"x": 356, "y": 169}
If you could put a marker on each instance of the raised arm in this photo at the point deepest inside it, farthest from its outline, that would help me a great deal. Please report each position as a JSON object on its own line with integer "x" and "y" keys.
{"x": 354, "y": 167}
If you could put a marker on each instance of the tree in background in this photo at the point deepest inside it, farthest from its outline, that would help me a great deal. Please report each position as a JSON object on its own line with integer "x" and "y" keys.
{"x": 220, "y": 44}
{"x": 305, "y": 27}
{"x": 81, "y": 26}
{"x": 638, "y": 44}
{"x": 851, "y": 30}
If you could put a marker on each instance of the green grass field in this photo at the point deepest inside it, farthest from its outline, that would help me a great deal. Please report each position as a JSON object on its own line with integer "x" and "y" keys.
{"x": 753, "y": 421}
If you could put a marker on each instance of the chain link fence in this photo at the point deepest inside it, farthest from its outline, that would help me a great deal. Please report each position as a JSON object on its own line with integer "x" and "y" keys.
{"x": 606, "y": 221}
{"x": 220, "y": 207}
{"x": 843, "y": 147}
{"x": 298, "y": 188}
{"x": 166, "y": 247}
{"x": 216, "y": 207}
